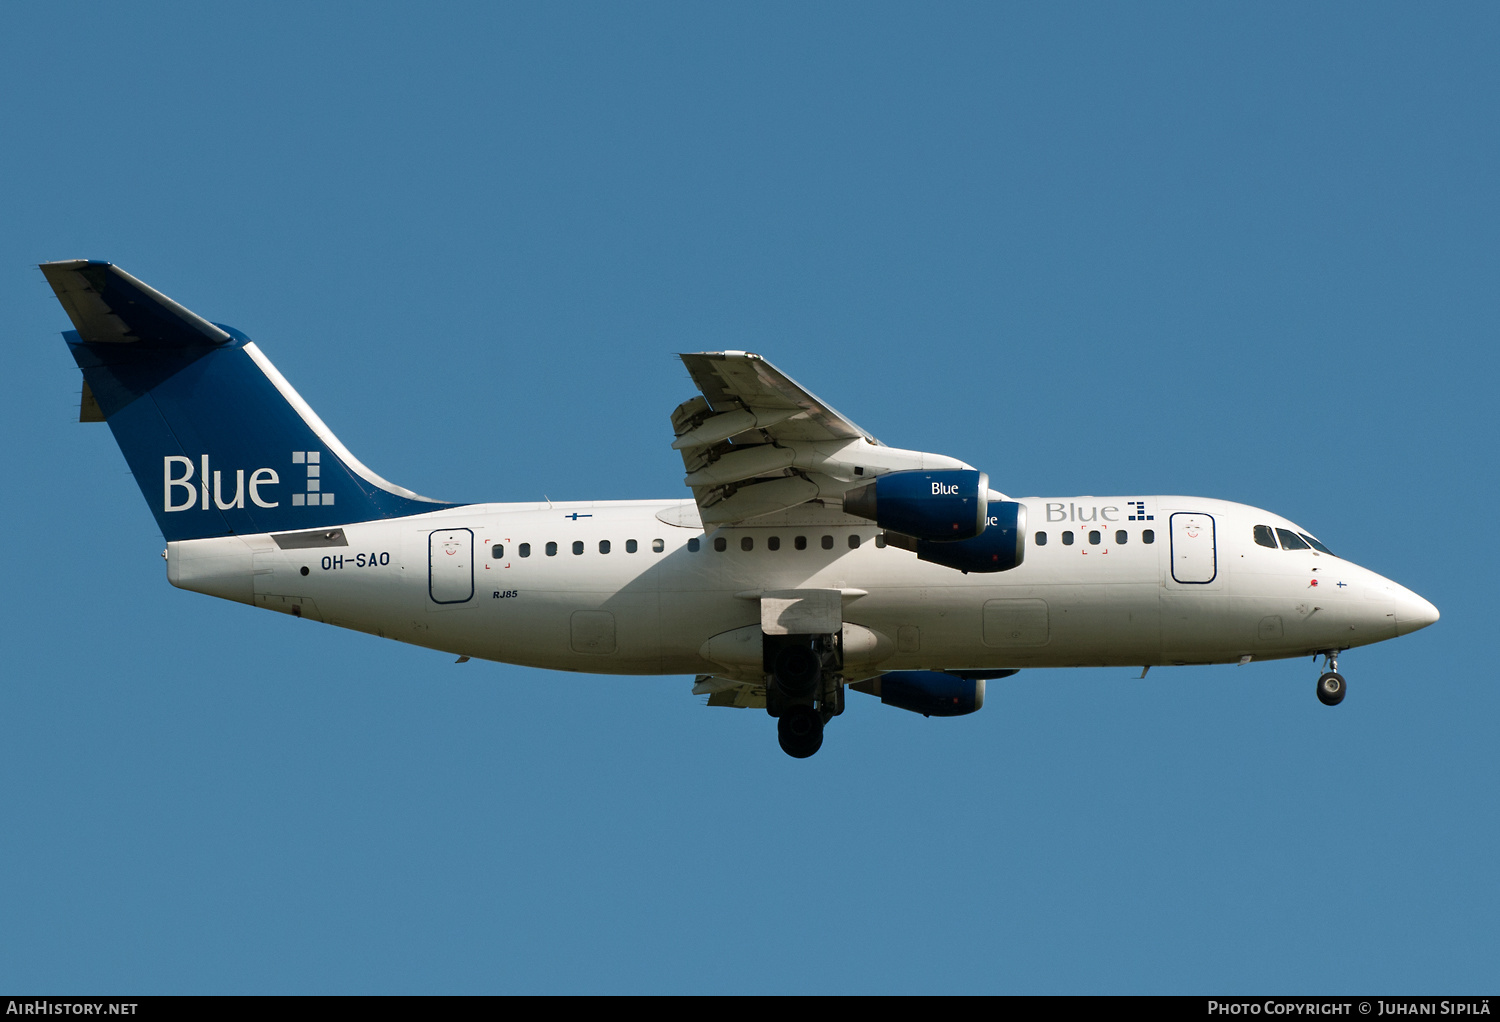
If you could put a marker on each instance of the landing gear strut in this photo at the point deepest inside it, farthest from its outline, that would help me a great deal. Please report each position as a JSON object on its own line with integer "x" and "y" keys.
{"x": 1331, "y": 686}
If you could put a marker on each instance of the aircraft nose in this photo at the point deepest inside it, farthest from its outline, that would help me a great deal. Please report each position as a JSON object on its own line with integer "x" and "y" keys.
{"x": 1412, "y": 612}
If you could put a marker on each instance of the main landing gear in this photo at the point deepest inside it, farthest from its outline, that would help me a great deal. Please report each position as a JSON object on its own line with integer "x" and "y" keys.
{"x": 803, "y": 690}
{"x": 800, "y": 731}
{"x": 1331, "y": 685}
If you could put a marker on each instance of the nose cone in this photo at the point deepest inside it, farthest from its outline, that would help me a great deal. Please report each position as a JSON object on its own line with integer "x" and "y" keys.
{"x": 1412, "y": 612}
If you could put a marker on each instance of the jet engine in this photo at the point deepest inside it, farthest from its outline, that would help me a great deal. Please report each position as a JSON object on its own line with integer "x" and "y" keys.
{"x": 1000, "y": 547}
{"x": 930, "y": 693}
{"x": 938, "y": 506}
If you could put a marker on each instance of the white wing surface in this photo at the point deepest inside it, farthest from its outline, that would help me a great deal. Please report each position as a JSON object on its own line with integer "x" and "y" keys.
{"x": 755, "y": 442}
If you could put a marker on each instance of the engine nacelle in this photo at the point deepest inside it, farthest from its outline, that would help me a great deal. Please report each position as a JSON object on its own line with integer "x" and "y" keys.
{"x": 930, "y": 693}
{"x": 939, "y": 506}
{"x": 1000, "y": 547}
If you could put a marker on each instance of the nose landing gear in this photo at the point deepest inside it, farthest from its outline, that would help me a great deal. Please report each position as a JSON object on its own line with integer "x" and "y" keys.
{"x": 1331, "y": 685}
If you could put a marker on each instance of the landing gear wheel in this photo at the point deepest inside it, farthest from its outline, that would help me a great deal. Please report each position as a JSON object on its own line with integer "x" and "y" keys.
{"x": 800, "y": 730}
{"x": 1331, "y": 689}
{"x": 797, "y": 670}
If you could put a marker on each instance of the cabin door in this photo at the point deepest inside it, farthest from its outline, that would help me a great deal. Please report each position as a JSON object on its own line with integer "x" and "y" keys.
{"x": 1194, "y": 555}
{"x": 450, "y": 566}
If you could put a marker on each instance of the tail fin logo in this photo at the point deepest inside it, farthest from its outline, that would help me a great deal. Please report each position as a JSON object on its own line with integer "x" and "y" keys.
{"x": 187, "y": 486}
{"x": 314, "y": 495}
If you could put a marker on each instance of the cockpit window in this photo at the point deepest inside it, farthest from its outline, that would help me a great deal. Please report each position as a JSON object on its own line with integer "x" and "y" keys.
{"x": 1290, "y": 540}
{"x": 1317, "y": 546}
{"x": 1265, "y": 537}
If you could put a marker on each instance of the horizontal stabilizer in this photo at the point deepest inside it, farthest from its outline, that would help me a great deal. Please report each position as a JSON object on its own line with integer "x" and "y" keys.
{"x": 109, "y": 306}
{"x": 88, "y": 405}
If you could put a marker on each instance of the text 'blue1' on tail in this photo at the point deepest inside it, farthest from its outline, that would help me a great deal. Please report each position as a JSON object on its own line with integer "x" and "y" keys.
{"x": 218, "y": 440}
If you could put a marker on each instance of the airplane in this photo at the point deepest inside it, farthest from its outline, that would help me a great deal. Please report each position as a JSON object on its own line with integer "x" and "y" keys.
{"x": 812, "y": 559}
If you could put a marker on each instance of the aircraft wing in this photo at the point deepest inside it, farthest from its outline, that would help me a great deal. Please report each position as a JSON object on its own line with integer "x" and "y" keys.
{"x": 730, "y": 380}
{"x": 728, "y": 692}
{"x": 755, "y": 442}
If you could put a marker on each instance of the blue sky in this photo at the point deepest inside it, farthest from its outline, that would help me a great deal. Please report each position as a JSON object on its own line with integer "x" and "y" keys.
{"x": 1243, "y": 252}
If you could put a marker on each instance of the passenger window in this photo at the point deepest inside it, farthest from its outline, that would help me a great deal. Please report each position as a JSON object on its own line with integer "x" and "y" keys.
{"x": 854, "y": 541}
{"x": 747, "y": 543}
{"x": 773, "y": 542}
{"x": 551, "y": 549}
{"x": 497, "y": 551}
{"x": 604, "y": 546}
{"x": 630, "y": 547}
{"x": 524, "y": 549}
{"x": 577, "y": 546}
{"x": 1041, "y": 539}
{"x": 880, "y": 542}
{"x": 1290, "y": 541}
{"x": 1068, "y": 538}
{"x": 827, "y": 542}
{"x": 800, "y": 543}
{"x": 1264, "y": 536}
{"x": 1316, "y": 545}
{"x": 1148, "y": 536}
{"x": 1093, "y": 537}
{"x": 657, "y": 546}
{"x": 692, "y": 545}
{"x": 1121, "y": 537}
{"x": 721, "y": 544}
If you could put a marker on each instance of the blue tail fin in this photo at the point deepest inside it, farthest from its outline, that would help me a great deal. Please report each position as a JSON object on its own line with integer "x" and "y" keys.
{"x": 219, "y": 442}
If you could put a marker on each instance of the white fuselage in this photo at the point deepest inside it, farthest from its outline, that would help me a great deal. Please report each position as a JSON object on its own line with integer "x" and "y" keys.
{"x": 1202, "y": 591}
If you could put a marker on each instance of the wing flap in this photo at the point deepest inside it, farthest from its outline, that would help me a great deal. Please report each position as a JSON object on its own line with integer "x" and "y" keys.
{"x": 743, "y": 695}
{"x": 751, "y": 500}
